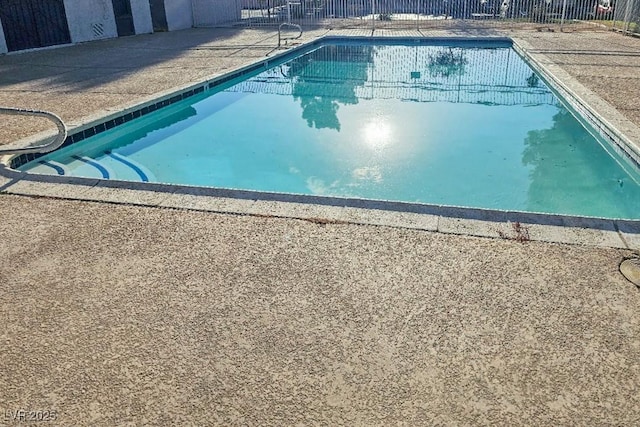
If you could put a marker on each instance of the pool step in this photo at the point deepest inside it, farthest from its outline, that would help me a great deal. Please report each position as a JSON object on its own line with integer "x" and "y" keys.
{"x": 140, "y": 172}
{"x": 94, "y": 166}
{"x": 107, "y": 165}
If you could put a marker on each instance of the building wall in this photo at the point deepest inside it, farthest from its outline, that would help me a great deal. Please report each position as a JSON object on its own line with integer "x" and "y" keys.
{"x": 142, "y": 16}
{"x": 3, "y": 42}
{"x": 213, "y": 12}
{"x": 179, "y": 14}
{"x": 90, "y": 20}
{"x": 94, "y": 19}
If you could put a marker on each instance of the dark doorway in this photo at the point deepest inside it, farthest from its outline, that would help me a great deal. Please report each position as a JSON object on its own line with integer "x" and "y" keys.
{"x": 158, "y": 15}
{"x": 124, "y": 17}
{"x": 34, "y": 23}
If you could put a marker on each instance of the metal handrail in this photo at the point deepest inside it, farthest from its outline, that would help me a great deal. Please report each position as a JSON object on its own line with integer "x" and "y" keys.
{"x": 45, "y": 148}
{"x": 288, "y": 24}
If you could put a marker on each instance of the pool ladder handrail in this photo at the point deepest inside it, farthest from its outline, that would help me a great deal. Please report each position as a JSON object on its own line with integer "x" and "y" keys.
{"x": 44, "y": 148}
{"x": 288, "y": 24}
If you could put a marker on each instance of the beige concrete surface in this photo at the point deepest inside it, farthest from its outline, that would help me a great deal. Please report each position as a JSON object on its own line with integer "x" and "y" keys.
{"x": 117, "y": 314}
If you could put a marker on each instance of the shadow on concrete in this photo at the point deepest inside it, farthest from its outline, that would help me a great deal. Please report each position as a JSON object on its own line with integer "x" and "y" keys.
{"x": 92, "y": 64}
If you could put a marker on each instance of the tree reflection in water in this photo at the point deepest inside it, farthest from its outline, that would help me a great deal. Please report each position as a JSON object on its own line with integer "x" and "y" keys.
{"x": 338, "y": 70}
{"x": 447, "y": 63}
{"x": 571, "y": 173}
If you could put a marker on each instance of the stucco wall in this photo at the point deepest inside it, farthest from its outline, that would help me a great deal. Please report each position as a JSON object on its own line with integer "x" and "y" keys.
{"x": 3, "y": 41}
{"x": 90, "y": 20}
{"x": 93, "y": 19}
{"x": 179, "y": 14}
{"x": 142, "y": 16}
{"x": 212, "y": 12}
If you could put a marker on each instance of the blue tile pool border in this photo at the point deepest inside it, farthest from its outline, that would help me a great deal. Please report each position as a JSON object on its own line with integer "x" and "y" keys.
{"x": 95, "y": 129}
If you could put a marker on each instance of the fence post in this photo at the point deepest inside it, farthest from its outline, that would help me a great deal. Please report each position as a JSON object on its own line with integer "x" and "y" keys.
{"x": 193, "y": 14}
{"x": 627, "y": 15}
{"x": 373, "y": 15}
{"x": 564, "y": 11}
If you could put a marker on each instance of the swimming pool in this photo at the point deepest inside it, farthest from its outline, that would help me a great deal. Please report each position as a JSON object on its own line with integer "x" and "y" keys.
{"x": 446, "y": 123}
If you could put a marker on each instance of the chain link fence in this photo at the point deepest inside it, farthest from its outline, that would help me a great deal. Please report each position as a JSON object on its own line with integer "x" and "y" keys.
{"x": 622, "y": 15}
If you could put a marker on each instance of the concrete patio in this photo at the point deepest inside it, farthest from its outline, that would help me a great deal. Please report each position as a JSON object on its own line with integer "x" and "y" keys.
{"x": 121, "y": 313}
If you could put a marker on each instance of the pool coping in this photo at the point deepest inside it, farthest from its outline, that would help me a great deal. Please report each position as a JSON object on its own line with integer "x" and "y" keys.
{"x": 520, "y": 226}
{"x": 620, "y": 131}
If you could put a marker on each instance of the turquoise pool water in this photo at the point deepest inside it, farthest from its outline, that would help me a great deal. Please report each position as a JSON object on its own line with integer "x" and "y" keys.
{"x": 442, "y": 124}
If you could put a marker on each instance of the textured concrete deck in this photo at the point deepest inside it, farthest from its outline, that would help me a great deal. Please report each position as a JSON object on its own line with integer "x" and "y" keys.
{"x": 116, "y": 314}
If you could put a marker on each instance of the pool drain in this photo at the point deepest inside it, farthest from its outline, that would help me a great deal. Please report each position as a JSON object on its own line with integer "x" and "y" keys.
{"x": 630, "y": 268}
